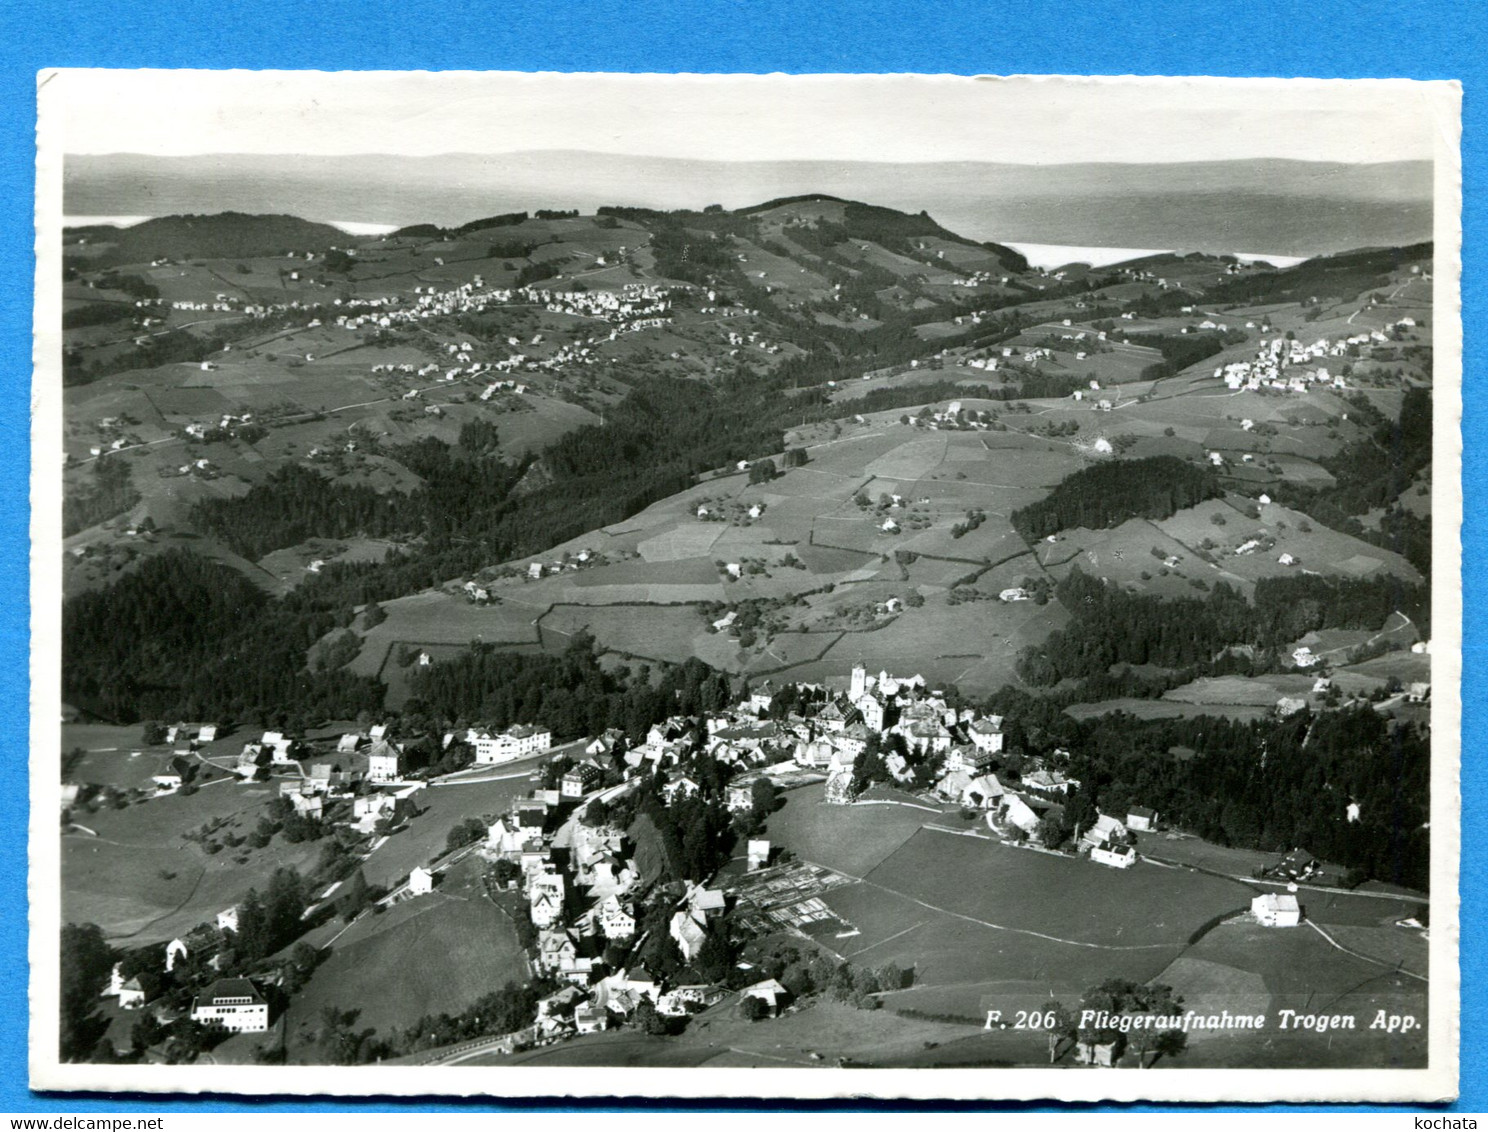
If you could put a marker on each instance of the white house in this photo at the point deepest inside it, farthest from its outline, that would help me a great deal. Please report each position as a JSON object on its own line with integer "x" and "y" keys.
{"x": 227, "y": 919}
{"x": 770, "y": 992}
{"x": 871, "y": 710}
{"x": 1141, "y": 817}
{"x": 545, "y": 893}
{"x": 1116, "y": 856}
{"x": 986, "y": 734}
{"x": 689, "y": 934}
{"x": 384, "y": 762}
{"x": 1277, "y": 910}
{"x": 174, "y": 950}
{"x": 758, "y": 855}
{"x": 233, "y": 1004}
{"x": 131, "y": 995}
{"x": 615, "y": 920}
{"x": 579, "y": 780}
{"x": 420, "y": 881}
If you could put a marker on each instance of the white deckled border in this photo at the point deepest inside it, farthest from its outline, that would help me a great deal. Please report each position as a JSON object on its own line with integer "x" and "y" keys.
{"x": 1440, "y": 102}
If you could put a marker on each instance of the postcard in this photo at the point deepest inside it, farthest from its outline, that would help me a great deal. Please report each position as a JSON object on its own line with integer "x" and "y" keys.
{"x": 904, "y": 586}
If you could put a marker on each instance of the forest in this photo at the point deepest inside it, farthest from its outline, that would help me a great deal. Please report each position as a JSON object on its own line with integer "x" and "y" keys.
{"x": 1110, "y": 626}
{"x": 571, "y": 694}
{"x": 224, "y": 235}
{"x": 1275, "y": 784}
{"x": 183, "y": 637}
{"x": 1108, "y": 494}
{"x": 111, "y": 493}
{"x": 1341, "y": 278}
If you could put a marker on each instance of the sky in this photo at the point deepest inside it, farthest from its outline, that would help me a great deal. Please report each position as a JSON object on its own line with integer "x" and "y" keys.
{"x": 741, "y": 117}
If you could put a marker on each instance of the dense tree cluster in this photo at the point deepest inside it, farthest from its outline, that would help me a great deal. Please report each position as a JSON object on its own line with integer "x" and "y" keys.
{"x": 183, "y": 637}
{"x": 1341, "y": 278}
{"x": 571, "y": 694}
{"x": 1275, "y": 784}
{"x": 1180, "y": 351}
{"x": 294, "y": 504}
{"x": 1110, "y": 625}
{"x": 112, "y": 492}
{"x": 1108, "y": 494}
{"x": 86, "y": 961}
{"x": 222, "y": 235}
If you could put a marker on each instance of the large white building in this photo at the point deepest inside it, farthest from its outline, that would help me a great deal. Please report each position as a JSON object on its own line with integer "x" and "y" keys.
{"x": 515, "y": 743}
{"x": 233, "y": 1004}
{"x": 1277, "y": 910}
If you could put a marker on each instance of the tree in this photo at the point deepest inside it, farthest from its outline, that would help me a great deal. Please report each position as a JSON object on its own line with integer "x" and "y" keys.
{"x": 467, "y": 832}
{"x": 1170, "y": 1043}
{"x": 1059, "y": 1027}
{"x": 762, "y": 471}
{"x": 754, "y": 1008}
{"x": 649, "y": 1020}
{"x": 354, "y": 898}
{"x": 87, "y": 960}
{"x": 153, "y": 734}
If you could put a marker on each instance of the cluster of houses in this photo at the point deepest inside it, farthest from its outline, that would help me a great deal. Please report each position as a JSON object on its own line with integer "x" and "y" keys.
{"x": 588, "y": 908}
{"x": 1281, "y": 363}
{"x": 235, "y": 1005}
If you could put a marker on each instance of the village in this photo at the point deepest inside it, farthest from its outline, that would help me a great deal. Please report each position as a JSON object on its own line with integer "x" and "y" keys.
{"x": 563, "y": 863}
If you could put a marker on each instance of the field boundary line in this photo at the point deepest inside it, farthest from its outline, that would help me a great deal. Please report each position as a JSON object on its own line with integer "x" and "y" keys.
{"x": 998, "y": 927}
{"x": 906, "y": 805}
{"x": 1397, "y": 967}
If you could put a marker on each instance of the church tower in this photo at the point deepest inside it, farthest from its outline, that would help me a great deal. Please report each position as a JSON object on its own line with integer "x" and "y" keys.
{"x": 859, "y": 681}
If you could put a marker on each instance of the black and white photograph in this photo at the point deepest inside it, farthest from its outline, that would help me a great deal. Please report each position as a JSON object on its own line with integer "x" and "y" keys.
{"x": 746, "y": 586}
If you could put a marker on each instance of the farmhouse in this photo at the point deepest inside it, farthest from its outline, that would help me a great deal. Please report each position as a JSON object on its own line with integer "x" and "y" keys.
{"x": 1019, "y": 814}
{"x": 233, "y": 1004}
{"x": 1105, "y": 831}
{"x": 1141, "y": 817}
{"x": 1276, "y": 910}
{"x": 769, "y": 991}
{"x": 982, "y": 793}
{"x": 131, "y": 995}
{"x": 420, "y": 881}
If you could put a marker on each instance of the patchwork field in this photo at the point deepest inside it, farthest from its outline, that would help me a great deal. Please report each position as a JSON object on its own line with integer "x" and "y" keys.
{"x": 956, "y": 909}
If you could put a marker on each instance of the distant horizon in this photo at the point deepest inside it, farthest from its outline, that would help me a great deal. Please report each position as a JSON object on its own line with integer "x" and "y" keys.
{"x": 884, "y": 119}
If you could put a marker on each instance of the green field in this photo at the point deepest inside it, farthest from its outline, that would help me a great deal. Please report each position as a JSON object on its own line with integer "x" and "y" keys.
{"x": 428, "y": 955}
{"x": 139, "y": 880}
{"x": 958, "y": 910}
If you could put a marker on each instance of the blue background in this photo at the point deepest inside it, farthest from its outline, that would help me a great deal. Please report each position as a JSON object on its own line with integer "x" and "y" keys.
{"x": 1319, "y": 38}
